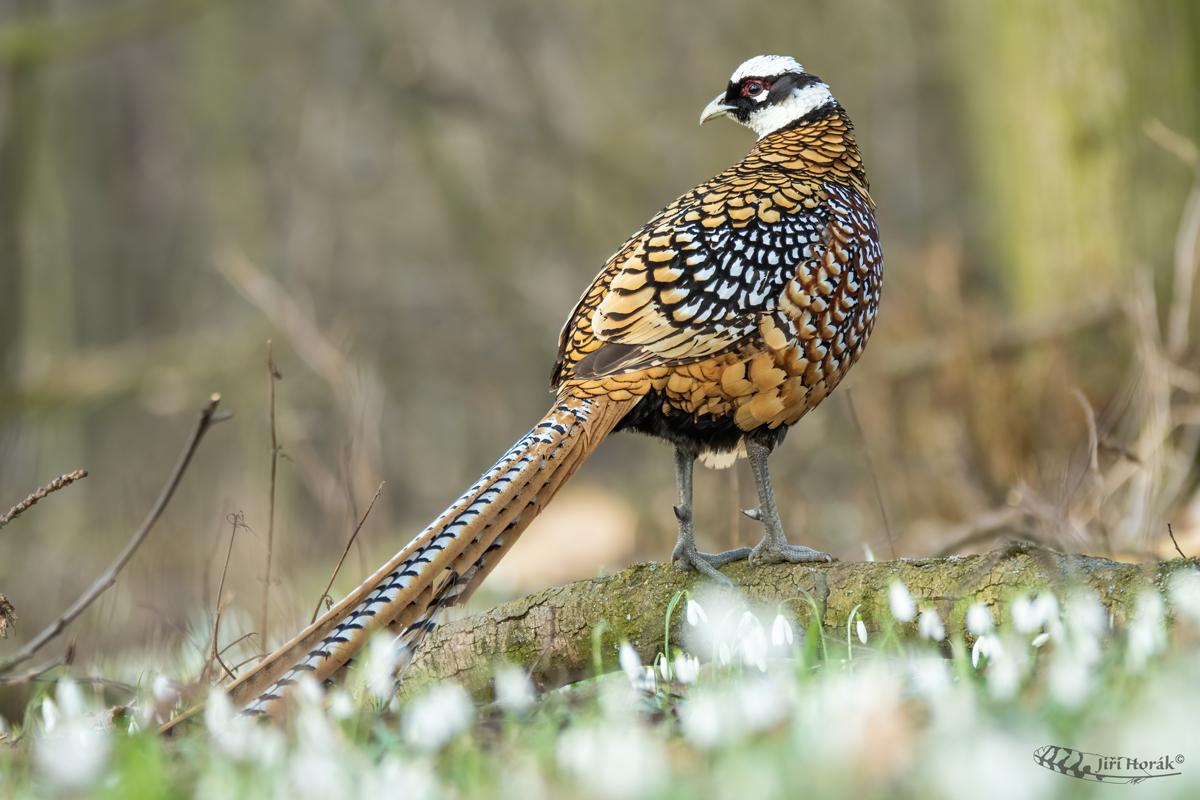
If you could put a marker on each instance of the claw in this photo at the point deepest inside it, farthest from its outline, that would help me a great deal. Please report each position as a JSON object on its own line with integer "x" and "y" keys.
{"x": 753, "y": 513}
{"x": 681, "y": 513}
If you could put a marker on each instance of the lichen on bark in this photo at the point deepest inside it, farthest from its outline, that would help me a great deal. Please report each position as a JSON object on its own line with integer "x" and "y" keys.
{"x": 549, "y": 633}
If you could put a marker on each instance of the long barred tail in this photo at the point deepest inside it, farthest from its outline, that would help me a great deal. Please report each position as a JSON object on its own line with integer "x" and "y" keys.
{"x": 448, "y": 560}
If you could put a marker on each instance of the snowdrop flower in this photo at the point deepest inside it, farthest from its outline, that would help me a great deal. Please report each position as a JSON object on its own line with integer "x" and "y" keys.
{"x": 723, "y": 654}
{"x": 237, "y": 736}
{"x": 438, "y": 716}
{"x": 410, "y": 780}
{"x": 73, "y": 757}
{"x": 218, "y": 712}
{"x": 1024, "y": 619}
{"x": 1046, "y": 606}
{"x": 382, "y": 659}
{"x": 754, "y": 646}
{"x": 70, "y": 699}
{"x": 1004, "y": 674}
{"x": 701, "y": 720}
{"x": 319, "y": 765}
{"x": 862, "y": 631}
{"x": 1070, "y": 677}
{"x": 695, "y": 614}
{"x": 73, "y": 754}
{"x": 930, "y": 625}
{"x": 49, "y": 714}
{"x": 901, "y": 602}
{"x": 640, "y": 677}
{"x": 1040, "y": 639}
{"x": 590, "y": 753}
{"x": 1087, "y": 621}
{"x": 781, "y": 631}
{"x": 761, "y": 703}
{"x": 513, "y": 690}
{"x": 1030, "y": 615}
{"x": 930, "y": 676}
{"x": 162, "y": 688}
{"x": 631, "y": 663}
{"x": 664, "y": 667}
{"x": 341, "y": 704}
{"x": 987, "y": 646}
{"x": 980, "y": 756}
{"x": 1185, "y": 593}
{"x": 979, "y": 619}
{"x": 521, "y": 778}
{"x": 1147, "y": 636}
{"x": 687, "y": 668}
{"x": 309, "y": 690}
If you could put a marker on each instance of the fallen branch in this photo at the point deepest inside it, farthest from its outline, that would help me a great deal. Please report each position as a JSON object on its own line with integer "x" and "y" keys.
{"x": 208, "y": 418}
{"x": 54, "y": 485}
{"x": 633, "y": 604}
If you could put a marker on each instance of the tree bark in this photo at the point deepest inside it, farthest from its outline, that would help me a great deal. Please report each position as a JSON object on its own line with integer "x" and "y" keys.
{"x": 549, "y": 634}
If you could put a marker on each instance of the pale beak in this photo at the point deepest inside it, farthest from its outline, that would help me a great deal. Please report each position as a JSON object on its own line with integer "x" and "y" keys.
{"x": 716, "y": 108}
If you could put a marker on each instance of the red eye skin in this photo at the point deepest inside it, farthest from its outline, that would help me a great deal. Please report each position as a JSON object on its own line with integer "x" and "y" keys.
{"x": 755, "y": 88}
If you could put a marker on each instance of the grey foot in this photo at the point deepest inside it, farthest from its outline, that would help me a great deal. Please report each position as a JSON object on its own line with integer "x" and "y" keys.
{"x": 689, "y": 558}
{"x": 774, "y": 547}
{"x": 769, "y": 552}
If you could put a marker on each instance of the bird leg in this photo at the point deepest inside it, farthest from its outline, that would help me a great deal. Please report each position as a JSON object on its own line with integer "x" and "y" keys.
{"x": 774, "y": 546}
{"x": 685, "y": 553}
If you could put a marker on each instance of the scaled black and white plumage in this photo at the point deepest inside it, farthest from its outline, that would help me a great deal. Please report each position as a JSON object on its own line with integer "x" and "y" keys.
{"x": 724, "y": 320}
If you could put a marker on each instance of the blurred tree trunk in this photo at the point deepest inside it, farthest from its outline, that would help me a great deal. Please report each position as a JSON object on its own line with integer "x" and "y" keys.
{"x": 18, "y": 96}
{"x": 1047, "y": 102}
{"x": 1056, "y": 96}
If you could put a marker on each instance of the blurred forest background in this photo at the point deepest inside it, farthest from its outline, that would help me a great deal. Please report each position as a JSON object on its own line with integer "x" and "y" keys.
{"x": 408, "y": 198}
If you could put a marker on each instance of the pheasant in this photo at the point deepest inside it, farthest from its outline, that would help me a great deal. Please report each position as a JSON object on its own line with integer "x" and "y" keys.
{"x": 731, "y": 314}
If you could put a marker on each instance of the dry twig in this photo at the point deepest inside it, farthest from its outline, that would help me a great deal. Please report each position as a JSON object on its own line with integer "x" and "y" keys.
{"x": 1171, "y": 533}
{"x": 236, "y": 521}
{"x": 99, "y": 680}
{"x": 34, "y": 674}
{"x": 54, "y": 485}
{"x": 887, "y": 529}
{"x": 272, "y": 376}
{"x": 208, "y": 418}
{"x": 236, "y": 642}
{"x": 350, "y": 542}
{"x": 216, "y": 656}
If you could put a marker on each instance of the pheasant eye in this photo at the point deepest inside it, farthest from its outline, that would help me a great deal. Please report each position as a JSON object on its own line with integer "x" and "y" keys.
{"x": 754, "y": 88}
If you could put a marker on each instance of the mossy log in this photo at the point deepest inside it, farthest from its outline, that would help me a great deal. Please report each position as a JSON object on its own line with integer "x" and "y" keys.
{"x": 549, "y": 633}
